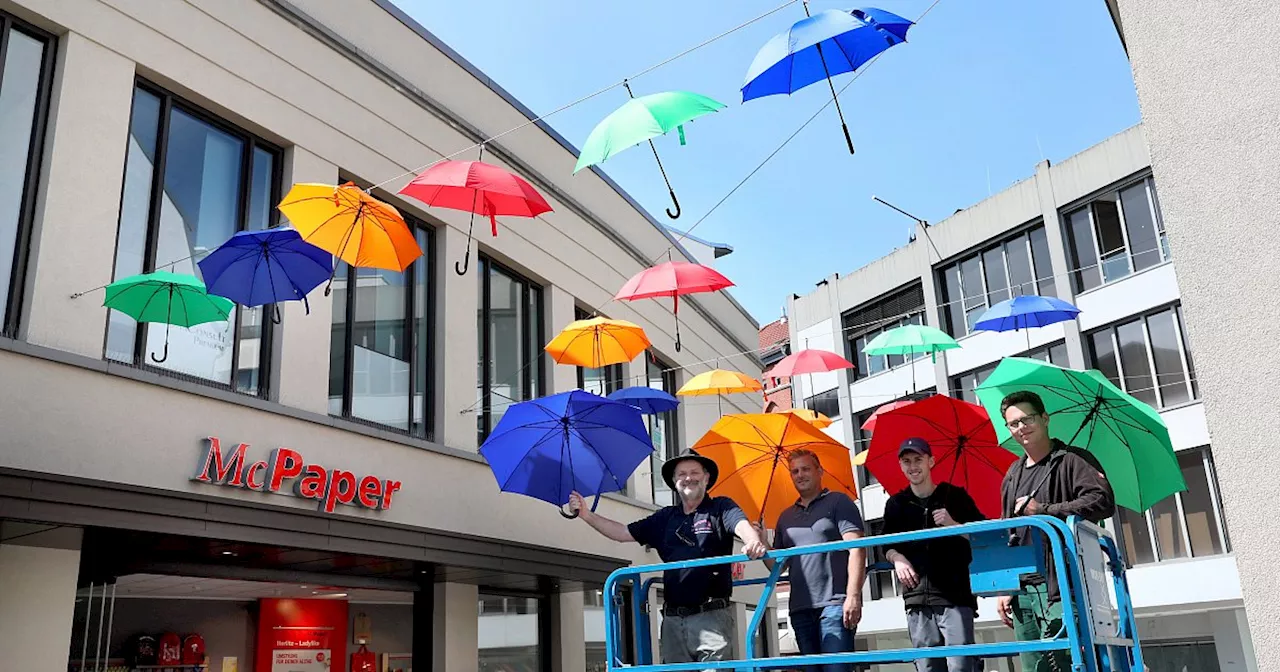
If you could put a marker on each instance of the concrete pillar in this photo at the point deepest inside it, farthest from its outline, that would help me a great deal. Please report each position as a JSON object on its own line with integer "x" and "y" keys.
{"x": 300, "y": 375}
{"x": 1058, "y": 258}
{"x": 39, "y": 571}
{"x": 78, "y": 203}
{"x": 568, "y": 641}
{"x": 457, "y": 626}
{"x": 458, "y": 343}
{"x": 1232, "y": 641}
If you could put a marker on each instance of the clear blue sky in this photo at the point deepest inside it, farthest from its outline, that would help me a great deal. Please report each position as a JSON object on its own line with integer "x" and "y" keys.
{"x": 981, "y": 88}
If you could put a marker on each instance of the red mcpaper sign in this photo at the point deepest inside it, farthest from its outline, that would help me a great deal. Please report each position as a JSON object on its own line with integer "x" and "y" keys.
{"x": 286, "y": 467}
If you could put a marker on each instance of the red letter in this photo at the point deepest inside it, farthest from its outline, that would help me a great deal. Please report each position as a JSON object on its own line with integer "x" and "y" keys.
{"x": 336, "y": 492}
{"x": 285, "y": 463}
{"x": 370, "y": 492}
{"x": 222, "y": 468}
{"x": 251, "y": 479}
{"x": 312, "y": 485}
{"x": 388, "y": 489}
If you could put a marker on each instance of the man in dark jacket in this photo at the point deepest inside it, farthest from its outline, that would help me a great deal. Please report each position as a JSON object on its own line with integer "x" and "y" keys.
{"x": 1053, "y": 479}
{"x": 939, "y": 601}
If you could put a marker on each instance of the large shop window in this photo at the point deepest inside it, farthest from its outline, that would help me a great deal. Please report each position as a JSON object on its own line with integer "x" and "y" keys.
{"x": 1154, "y": 362}
{"x": 965, "y": 385}
{"x": 510, "y": 331}
{"x": 602, "y": 381}
{"x": 664, "y": 428}
{"x": 191, "y": 182}
{"x": 861, "y": 325}
{"x": 26, "y": 74}
{"x": 511, "y": 634}
{"x": 1017, "y": 266}
{"x": 1118, "y": 233}
{"x": 380, "y": 352}
{"x": 1185, "y": 524}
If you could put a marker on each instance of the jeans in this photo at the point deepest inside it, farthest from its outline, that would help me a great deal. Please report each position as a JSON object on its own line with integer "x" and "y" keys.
{"x": 707, "y": 636}
{"x": 938, "y": 626}
{"x": 821, "y": 630}
{"x": 1035, "y": 617}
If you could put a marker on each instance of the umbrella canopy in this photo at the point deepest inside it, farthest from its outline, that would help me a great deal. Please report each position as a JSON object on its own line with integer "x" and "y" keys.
{"x": 352, "y": 225}
{"x": 1022, "y": 312}
{"x": 642, "y": 119}
{"x": 870, "y": 424}
{"x": 167, "y": 298}
{"x": 478, "y": 188}
{"x": 809, "y": 361}
{"x": 751, "y": 452}
{"x": 965, "y": 450}
{"x": 910, "y": 339}
{"x": 810, "y": 416}
{"x": 1128, "y": 437}
{"x": 673, "y": 279}
{"x": 549, "y": 447}
{"x": 719, "y": 381}
{"x": 597, "y": 342}
{"x": 649, "y": 400}
{"x": 254, "y": 268}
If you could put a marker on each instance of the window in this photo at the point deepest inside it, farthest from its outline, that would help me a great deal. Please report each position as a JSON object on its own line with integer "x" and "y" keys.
{"x": 1185, "y": 524}
{"x": 883, "y": 582}
{"x": 191, "y": 182}
{"x": 1201, "y": 656}
{"x": 510, "y": 332}
{"x": 861, "y": 442}
{"x": 1147, "y": 357}
{"x": 511, "y": 634}
{"x": 1118, "y": 233}
{"x": 1017, "y": 266}
{"x": 602, "y": 381}
{"x": 664, "y": 428}
{"x": 26, "y": 75}
{"x": 863, "y": 324}
{"x": 593, "y": 629}
{"x": 380, "y": 351}
{"x": 826, "y": 403}
{"x": 965, "y": 385}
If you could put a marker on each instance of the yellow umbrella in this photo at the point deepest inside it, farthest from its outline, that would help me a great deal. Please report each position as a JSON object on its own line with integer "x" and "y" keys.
{"x": 352, "y": 225}
{"x": 860, "y": 458}
{"x": 597, "y": 342}
{"x": 719, "y": 381}
{"x": 813, "y": 417}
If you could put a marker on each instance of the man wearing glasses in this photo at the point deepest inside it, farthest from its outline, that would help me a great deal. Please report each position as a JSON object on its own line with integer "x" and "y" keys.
{"x": 697, "y": 624}
{"x": 1053, "y": 479}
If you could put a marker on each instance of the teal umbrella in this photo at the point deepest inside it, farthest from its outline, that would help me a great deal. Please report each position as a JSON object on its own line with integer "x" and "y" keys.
{"x": 167, "y": 298}
{"x": 641, "y": 120}
{"x": 911, "y": 339}
{"x": 1128, "y": 437}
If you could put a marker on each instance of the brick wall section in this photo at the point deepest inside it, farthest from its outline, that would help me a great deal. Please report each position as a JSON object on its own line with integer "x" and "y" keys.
{"x": 779, "y": 399}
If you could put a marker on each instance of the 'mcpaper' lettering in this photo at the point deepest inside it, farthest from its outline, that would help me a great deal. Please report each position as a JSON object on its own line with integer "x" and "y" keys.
{"x": 285, "y": 471}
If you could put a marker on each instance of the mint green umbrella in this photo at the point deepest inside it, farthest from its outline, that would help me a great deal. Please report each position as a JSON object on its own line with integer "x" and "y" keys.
{"x": 640, "y": 120}
{"x": 911, "y": 339}
{"x": 1128, "y": 437}
{"x": 167, "y": 298}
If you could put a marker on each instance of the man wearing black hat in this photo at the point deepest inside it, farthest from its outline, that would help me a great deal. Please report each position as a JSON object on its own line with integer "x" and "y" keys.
{"x": 935, "y": 573}
{"x": 697, "y": 624}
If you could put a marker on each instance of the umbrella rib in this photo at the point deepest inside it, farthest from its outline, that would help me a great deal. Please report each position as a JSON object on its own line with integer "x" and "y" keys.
{"x": 503, "y": 486}
{"x": 607, "y": 469}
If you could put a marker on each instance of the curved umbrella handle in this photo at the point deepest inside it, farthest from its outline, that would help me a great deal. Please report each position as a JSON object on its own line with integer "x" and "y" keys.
{"x": 275, "y": 313}
{"x": 575, "y": 514}
{"x": 163, "y": 356}
{"x": 461, "y": 269}
{"x": 676, "y": 214}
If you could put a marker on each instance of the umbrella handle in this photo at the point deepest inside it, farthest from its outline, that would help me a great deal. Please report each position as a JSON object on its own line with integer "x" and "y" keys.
{"x": 575, "y": 514}
{"x": 275, "y": 313}
{"x": 163, "y": 356}
{"x": 461, "y": 269}
{"x": 676, "y": 214}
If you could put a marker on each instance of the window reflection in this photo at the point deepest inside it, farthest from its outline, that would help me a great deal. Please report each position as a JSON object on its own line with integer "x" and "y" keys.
{"x": 20, "y": 93}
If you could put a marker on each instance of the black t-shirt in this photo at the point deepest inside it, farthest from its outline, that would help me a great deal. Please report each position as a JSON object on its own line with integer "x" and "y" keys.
{"x": 942, "y": 564}
{"x": 706, "y": 533}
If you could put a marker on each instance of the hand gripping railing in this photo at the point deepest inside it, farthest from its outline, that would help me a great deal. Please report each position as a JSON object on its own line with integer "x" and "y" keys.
{"x": 1089, "y": 650}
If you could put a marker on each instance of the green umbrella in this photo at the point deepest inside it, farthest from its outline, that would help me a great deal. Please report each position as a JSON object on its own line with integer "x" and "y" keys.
{"x": 168, "y": 298}
{"x": 643, "y": 119}
{"x": 910, "y": 339}
{"x": 1128, "y": 437}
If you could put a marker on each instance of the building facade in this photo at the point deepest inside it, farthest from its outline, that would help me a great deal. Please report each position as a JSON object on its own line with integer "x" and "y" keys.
{"x": 331, "y": 456}
{"x": 1088, "y": 230}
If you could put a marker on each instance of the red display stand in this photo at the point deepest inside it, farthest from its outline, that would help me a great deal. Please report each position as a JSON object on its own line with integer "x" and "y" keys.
{"x": 301, "y": 636}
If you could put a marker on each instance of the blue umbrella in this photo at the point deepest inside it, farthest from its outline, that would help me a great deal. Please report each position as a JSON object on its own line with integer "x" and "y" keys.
{"x": 1022, "y": 312}
{"x": 549, "y": 447}
{"x": 828, "y": 43}
{"x": 254, "y": 268}
{"x": 649, "y": 400}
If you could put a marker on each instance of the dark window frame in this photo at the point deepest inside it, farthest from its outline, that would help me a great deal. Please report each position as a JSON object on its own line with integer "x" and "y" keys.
{"x": 1086, "y": 203}
{"x": 825, "y": 398}
{"x": 671, "y": 432}
{"x": 1184, "y": 352}
{"x": 1187, "y": 551}
{"x": 169, "y": 101}
{"x": 527, "y": 288}
{"x": 904, "y": 305}
{"x": 1039, "y": 277}
{"x": 612, "y": 375}
{"x": 16, "y": 296}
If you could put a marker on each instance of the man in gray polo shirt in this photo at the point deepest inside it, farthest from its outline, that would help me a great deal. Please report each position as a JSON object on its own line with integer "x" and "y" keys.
{"x": 826, "y": 588}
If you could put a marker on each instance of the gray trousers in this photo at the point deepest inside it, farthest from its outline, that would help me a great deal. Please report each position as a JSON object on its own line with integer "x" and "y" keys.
{"x": 699, "y": 638}
{"x": 936, "y": 626}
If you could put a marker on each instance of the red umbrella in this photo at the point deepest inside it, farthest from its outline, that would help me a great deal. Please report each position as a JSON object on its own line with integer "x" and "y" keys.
{"x": 965, "y": 449}
{"x": 479, "y": 188}
{"x": 870, "y": 424}
{"x": 809, "y": 361}
{"x": 672, "y": 279}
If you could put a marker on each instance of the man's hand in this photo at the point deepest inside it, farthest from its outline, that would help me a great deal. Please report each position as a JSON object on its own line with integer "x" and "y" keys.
{"x": 1004, "y": 607}
{"x": 579, "y": 505}
{"x": 755, "y": 549}
{"x": 1027, "y": 505}
{"x": 942, "y": 518}
{"x": 906, "y": 573}
{"x": 852, "y": 611}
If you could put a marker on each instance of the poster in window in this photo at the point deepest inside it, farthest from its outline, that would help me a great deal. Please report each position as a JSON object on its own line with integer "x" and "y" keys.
{"x": 301, "y": 650}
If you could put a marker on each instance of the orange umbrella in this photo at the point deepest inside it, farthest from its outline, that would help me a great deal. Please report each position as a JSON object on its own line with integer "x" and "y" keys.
{"x": 719, "y": 381}
{"x": 352, "y": 225}
{"x": 751, "y": 451}
{"x": 811, "y": 416}
{"x": 598, "y": 342}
